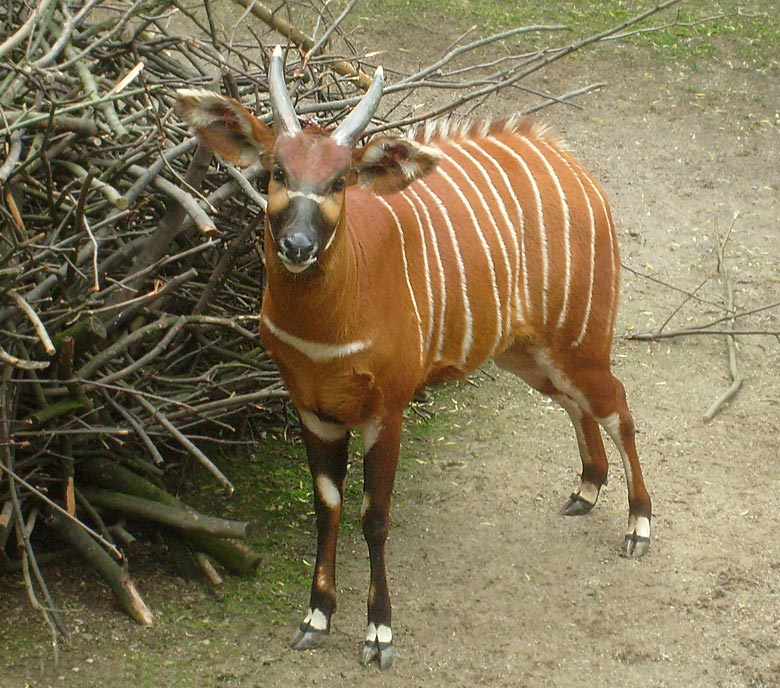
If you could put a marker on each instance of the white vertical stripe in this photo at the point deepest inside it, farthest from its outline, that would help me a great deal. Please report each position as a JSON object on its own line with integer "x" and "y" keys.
{"x": 406, "y": 273}
{"x": 578, "y": 175}
{"x": 540, "y": 220}
{"x": 488, "y": 257}
{"x": 592, "y": 266}
{"x": 514, "y": 229}
{"x": 426, "y": 270}
{"x": 439, "y": 265}
{"x": 613, "y": 256}
{"x": 468, "y": 329}
{"x": 566, "y": 231}
{"x": 499, "y": 202}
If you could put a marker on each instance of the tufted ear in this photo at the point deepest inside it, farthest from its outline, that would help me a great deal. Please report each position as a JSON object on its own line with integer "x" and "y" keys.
{"x": 390, "y": 163}
{"x": 225, "y": 126}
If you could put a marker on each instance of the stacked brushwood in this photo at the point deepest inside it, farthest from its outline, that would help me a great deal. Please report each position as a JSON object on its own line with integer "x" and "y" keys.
{"x": 127, "y": 331}
{"x": 130, "y": 281}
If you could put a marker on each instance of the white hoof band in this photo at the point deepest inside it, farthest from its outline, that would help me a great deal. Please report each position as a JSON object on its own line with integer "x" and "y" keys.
{"x": 316, "y": 620}
{"x": 381, "y": 634}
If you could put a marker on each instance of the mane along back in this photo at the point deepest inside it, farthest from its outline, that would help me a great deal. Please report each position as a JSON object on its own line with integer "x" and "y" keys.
{"x": 466, "y": 129}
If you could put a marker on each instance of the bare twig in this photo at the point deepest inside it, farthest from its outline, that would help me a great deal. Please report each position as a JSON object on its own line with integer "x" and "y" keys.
{"x": 736, "y": 377}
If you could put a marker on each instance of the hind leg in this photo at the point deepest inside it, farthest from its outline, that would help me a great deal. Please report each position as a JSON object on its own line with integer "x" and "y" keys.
{"x": 598, "y": 392}
{"x": 619, "y": 424}
{"x": 592, "y": 455}
{"x": 591, "y": 448}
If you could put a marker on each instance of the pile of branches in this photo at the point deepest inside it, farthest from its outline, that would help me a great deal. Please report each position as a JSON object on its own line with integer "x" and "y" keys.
{"x": 130, "y": 282}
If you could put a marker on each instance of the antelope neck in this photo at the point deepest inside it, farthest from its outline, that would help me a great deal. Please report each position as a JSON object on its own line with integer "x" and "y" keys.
{"x": 324, "y": 299}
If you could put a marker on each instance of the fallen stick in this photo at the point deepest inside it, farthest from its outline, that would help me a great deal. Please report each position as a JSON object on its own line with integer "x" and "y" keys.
{"x": 670, "y": 334}
{"x": 736, "y": 377}
{"x": 116, "y": 576}
{"x": 186, "y": 520}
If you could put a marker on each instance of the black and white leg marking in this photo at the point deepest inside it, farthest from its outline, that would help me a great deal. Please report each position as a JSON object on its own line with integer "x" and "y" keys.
{"x": 326, "y": 448}
{"x": 637, "y": 540}
{"x": 313, "y": 630}
{"x": 378, "y": 646}
{"x": 585, "y": 496}
{"x": 592, "y": 455}
{"x": 382, "y": 440}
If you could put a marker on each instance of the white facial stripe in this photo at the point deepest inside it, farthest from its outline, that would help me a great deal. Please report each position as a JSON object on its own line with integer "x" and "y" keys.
{"x": 328, "y": 492}
{"x": 406, "y": 273}
{"x": 315, "y": 351}
{"x": 468, "y": 330}
{"x": 308, "y": 196}
{"x": 332, "y": 237}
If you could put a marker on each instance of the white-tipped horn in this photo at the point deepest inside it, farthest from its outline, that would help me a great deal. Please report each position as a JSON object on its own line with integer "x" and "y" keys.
{"x": 285, "y": 119}
{"x": 349, "y": 131}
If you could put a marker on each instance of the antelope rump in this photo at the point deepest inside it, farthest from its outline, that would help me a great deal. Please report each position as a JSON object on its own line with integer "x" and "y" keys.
{"x": 409, "y": 261}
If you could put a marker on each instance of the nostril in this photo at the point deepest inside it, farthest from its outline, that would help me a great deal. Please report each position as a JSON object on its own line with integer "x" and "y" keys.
{"x": 297, "y": 247}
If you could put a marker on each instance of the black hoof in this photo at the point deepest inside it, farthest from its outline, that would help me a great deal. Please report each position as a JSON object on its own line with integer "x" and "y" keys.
{"x": 374, "y": 651}
{"x": 635, "y": 546}
{"x": 307, "y": 638}
{"x": 576, "y": 506}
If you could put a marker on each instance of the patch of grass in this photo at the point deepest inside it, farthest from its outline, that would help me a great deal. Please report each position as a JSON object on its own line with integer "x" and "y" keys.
{"x": 747, "y": 35}
{"x": 273, "y": 490}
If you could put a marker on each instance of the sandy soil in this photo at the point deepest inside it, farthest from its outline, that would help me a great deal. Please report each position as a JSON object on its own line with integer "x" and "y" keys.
{"x": 491, "y": 586}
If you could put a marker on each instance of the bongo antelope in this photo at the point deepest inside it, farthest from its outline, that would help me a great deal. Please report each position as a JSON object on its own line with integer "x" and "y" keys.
{"x": 410, "y": 261}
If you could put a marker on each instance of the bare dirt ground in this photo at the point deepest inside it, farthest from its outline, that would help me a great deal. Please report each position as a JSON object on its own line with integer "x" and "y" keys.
{"x": 491, "y": 586}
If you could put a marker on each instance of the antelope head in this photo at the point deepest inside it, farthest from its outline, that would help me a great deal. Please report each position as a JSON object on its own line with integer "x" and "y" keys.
{"x": 310, "y": 168}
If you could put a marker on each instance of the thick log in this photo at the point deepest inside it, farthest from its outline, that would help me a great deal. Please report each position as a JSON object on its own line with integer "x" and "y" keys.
{"x": 233, "y": 555}
{"x": 116, "y": 576}
{"x": 186, "y": 520}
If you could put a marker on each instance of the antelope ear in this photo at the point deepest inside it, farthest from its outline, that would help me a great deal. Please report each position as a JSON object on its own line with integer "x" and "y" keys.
{"x": 225, "y": 126}
{"x": 390, "y": 163}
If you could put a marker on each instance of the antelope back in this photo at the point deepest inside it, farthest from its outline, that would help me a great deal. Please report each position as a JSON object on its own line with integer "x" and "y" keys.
{"x": 509, "y": 238}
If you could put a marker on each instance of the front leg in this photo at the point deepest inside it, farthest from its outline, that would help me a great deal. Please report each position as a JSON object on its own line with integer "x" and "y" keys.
{"x": 326, "y": 447}
{"x": 381, "y": 439}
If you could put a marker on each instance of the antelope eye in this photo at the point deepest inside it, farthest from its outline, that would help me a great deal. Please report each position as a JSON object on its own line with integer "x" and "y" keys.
{"x": 338, "y": 185}
{"x": 278, "y": 174}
